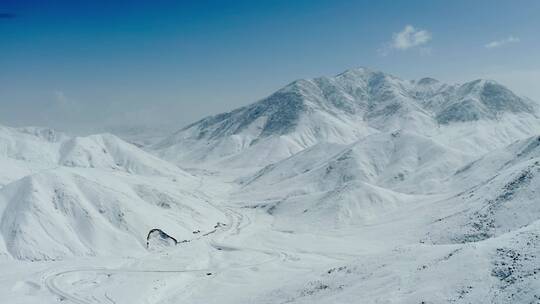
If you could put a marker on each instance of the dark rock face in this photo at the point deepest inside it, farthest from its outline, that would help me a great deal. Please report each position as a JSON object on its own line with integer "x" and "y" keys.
{"x": 467, "y": 110}
{"x": 158, "y": 239}
{"x": 281, "y": 110}
{"x": 427, "y": 81}
{"x": 498, "y": 98}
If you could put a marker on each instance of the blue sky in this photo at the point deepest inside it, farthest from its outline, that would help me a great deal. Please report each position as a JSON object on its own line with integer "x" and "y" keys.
{"x": 74, "y": 64}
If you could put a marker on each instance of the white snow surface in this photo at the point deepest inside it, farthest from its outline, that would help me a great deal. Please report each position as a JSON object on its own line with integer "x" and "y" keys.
{"x": 358, "y": 188}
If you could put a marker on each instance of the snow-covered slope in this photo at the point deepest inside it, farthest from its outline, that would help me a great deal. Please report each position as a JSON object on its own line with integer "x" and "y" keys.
{"x": 63, "y": 212}
{"x": 47, "y": 148}
{"x": 34, "y": 145}
{"x": 353, "y": 184}
{"x": 497, "y": 161}
{"x": 401, "y": 161}
{"x": 505, "y": 200}
{"x": 107, "y": 151}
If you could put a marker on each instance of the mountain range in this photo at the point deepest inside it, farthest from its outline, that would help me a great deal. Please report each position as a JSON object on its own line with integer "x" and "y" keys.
{"x": 341, "y": 109}
{"x": 330, "y": 190}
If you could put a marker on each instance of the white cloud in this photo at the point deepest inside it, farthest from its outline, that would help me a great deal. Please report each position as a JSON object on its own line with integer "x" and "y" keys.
{"x": 410, "y": 37}
{"x": 501, "y": 42}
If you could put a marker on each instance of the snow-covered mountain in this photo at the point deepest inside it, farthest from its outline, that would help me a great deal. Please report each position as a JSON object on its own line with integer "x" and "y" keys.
{"x": 357, "y": 187}
{"x": 46, "y": 147}
{"x": 95, "y": 195}
{"x": 340, "y": 109}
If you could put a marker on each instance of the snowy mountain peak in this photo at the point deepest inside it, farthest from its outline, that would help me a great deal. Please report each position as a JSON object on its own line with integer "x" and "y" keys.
{"x": 481, "y": 99}
{"x": 358, "y": 73}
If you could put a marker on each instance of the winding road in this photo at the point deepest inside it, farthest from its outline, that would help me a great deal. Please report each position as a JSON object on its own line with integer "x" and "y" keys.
{"x": 236, "y": 222}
